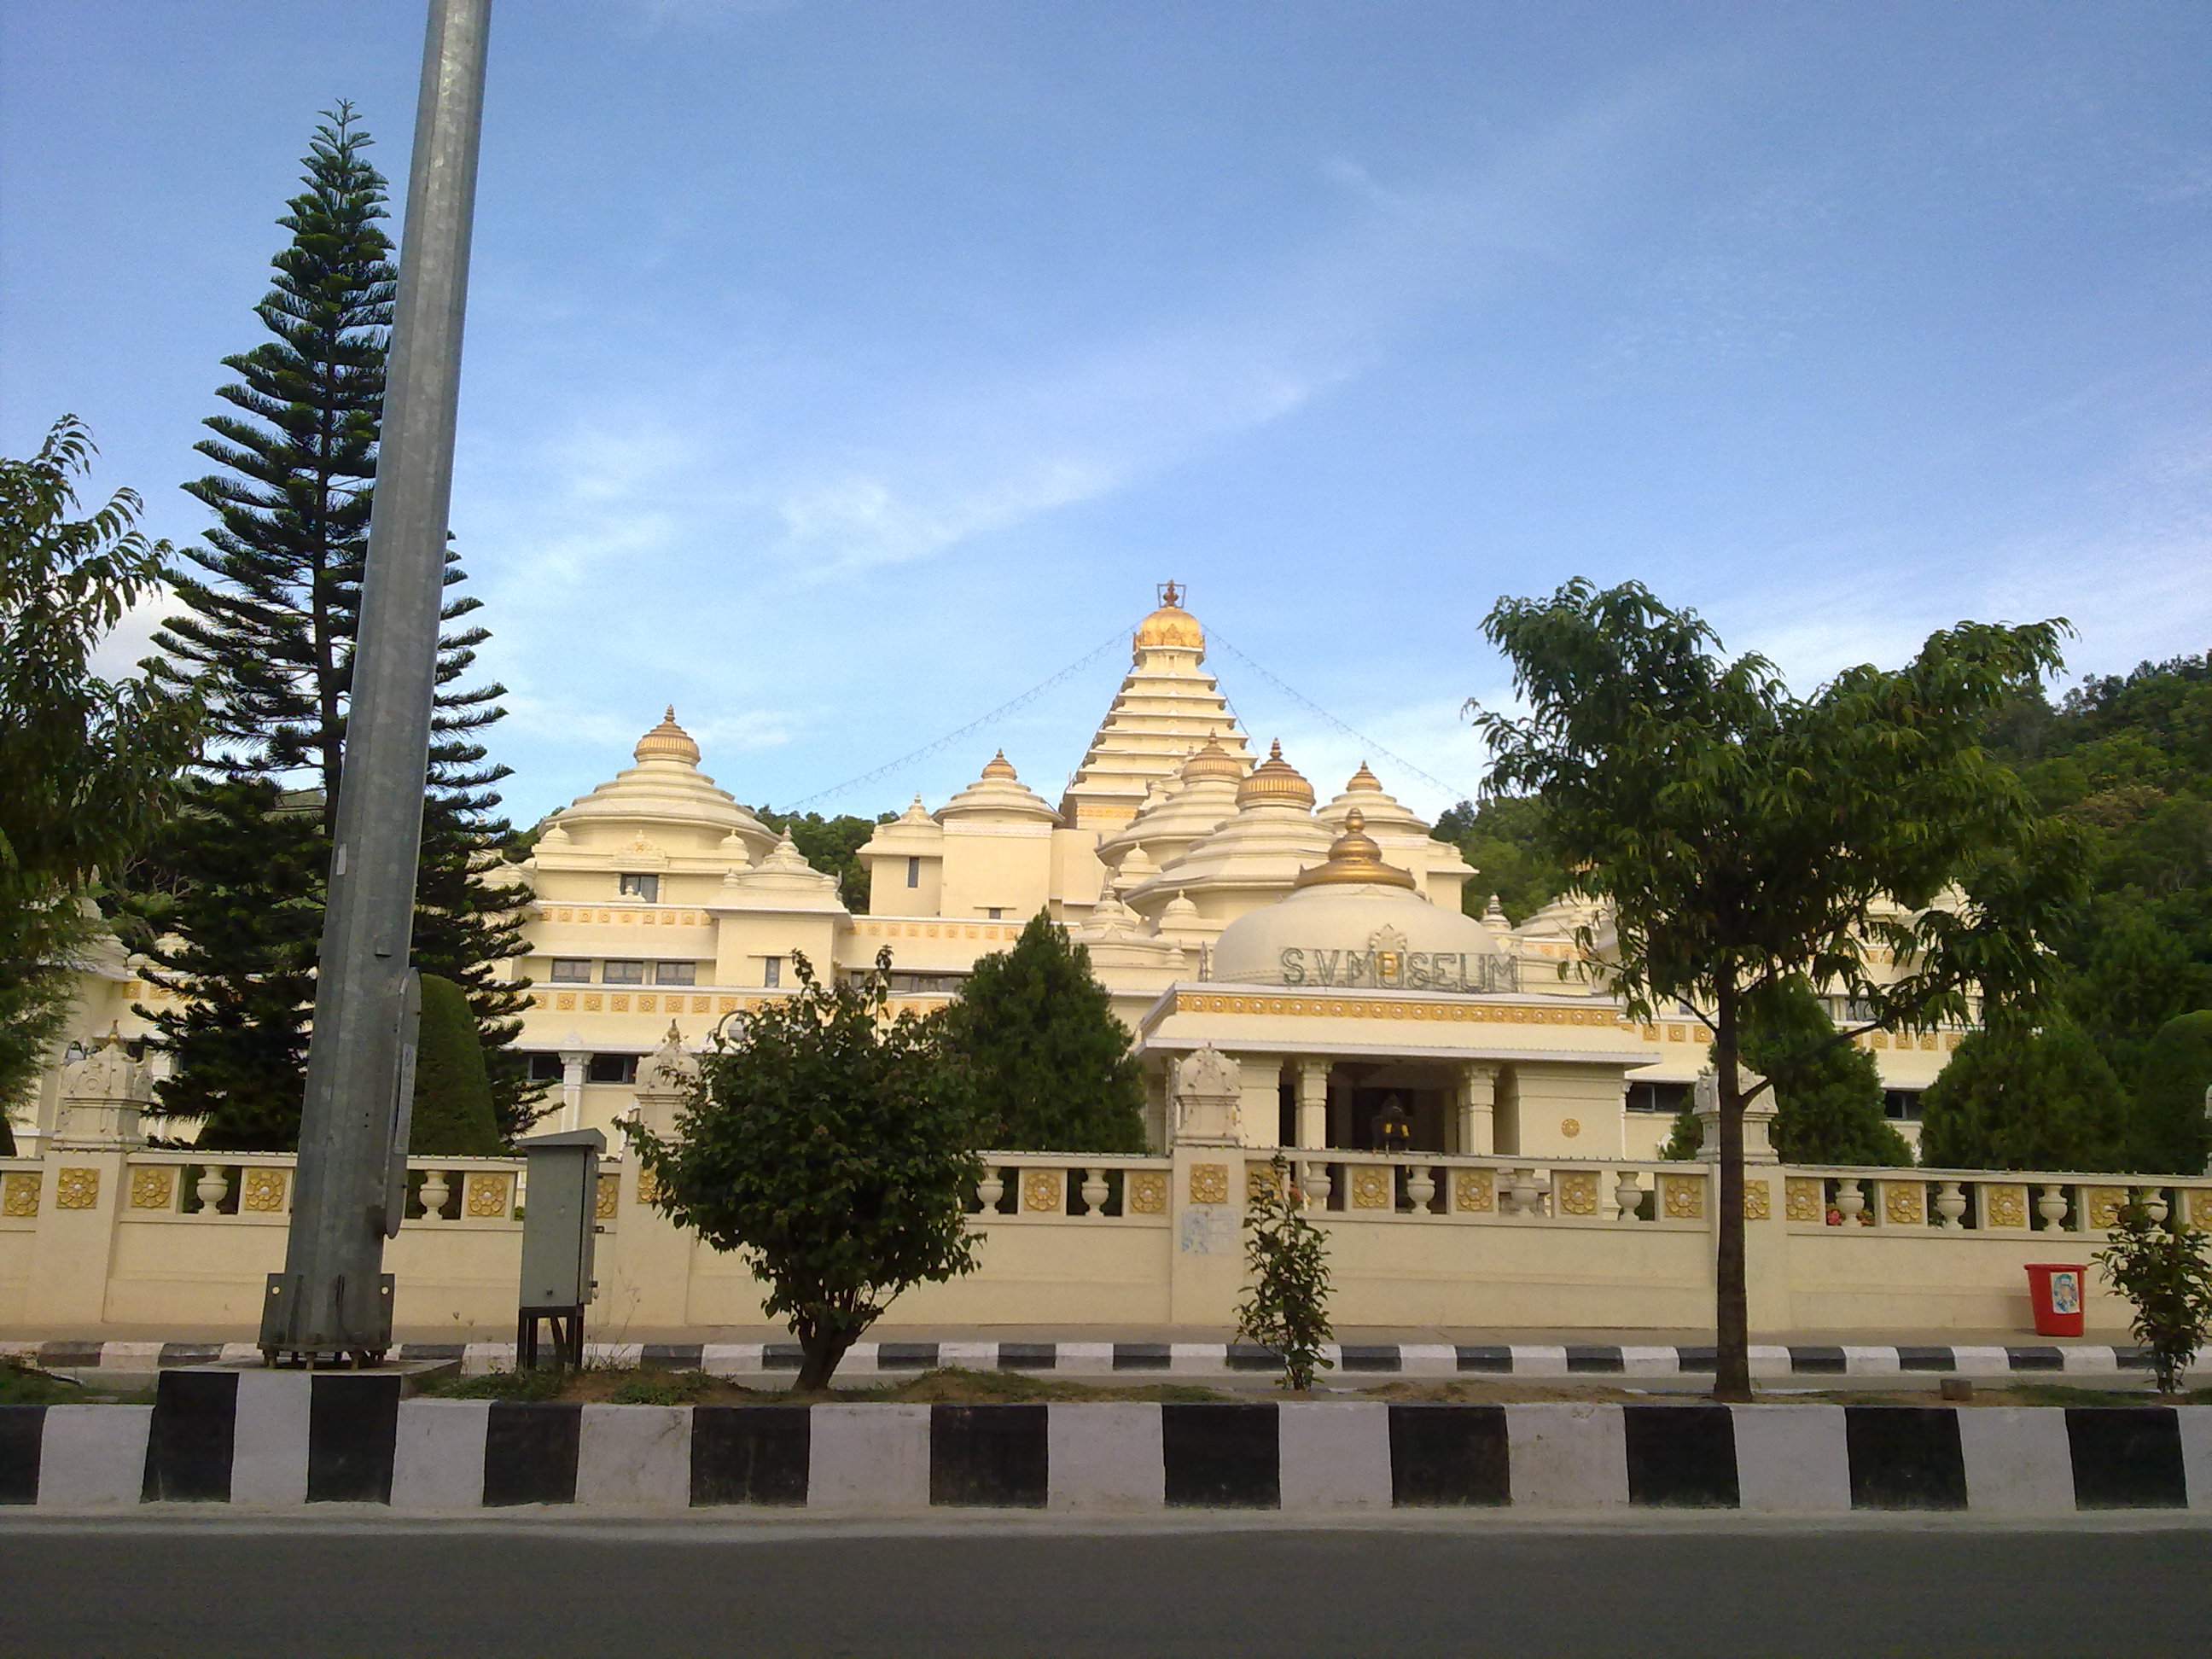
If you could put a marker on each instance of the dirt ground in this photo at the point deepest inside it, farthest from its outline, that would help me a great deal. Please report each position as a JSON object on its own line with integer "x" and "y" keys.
{"x": 952, "y": 1386}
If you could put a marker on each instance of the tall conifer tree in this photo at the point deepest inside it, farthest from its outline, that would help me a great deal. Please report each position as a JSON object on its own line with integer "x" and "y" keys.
{"x": 272, "y": 611}
{"x": 1046, "y": 1064}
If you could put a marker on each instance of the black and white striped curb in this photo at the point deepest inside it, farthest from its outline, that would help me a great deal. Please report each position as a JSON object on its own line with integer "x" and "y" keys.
{"x": 1187, "y": 1358}
{"x": 280, "y": 1439}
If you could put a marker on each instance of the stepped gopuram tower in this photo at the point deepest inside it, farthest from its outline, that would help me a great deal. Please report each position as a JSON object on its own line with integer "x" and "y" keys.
{"x": 1167, "y": 708}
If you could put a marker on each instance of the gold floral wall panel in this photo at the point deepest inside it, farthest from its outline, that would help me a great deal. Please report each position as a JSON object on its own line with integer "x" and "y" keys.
{"x": 1801, "y": 1197}
{"x": 1755, "y": 1201}
{"x": 1371, "y": 1188}
{"x": 1148, "y": 1192}
{"x": 1577, "y": 1192}
{"x": 76, "y": 1189}
{"x": 264, "y": 1191}
{"x": 154, "y": 1186}
{"x": 1041, "y": 1191}
{"x": 1209, "y": 1184}
{"x": 2004, "y": 1205}
{"x": 1682, "y": 1197}
{"x": 1474, "y": 1192}
{"x": 486, "y": 1196}
{"x": 19, "y": 1192}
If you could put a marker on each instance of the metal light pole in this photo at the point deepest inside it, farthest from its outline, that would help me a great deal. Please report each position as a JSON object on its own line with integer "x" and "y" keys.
{"x": 333, "y": 1296}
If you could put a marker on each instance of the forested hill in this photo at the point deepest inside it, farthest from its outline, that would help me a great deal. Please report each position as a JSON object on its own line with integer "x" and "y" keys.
{"x": 2130, "y": 756}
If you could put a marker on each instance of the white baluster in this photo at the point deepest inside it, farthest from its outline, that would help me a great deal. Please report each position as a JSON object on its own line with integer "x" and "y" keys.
{"x": 213, "y": 1187}
{"x": 1627, "y": 1195}
{"x": 2153, "y": 1199}
{"x": 1850, "y": 1201}
{"x": 433, "y": 1193}
{"x": 1950, "y": 1204}
{"x": 1094, "y": 1192}
{"x": 1524, "y": 1192}
{"x": 2051, "y": 1206}
{"x": 1420, "y": 1187}
{"x": 1316, "y": 1185}
{"x": 991, "y": 1189}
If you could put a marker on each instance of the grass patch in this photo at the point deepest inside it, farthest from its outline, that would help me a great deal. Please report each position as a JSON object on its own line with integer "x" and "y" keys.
{"x": 945, "y": 1386}
{"x": 499, "y": 1385}
{"x": 26, "y": 1385}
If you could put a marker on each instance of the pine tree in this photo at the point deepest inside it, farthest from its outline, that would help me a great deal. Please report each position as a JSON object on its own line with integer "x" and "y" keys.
{"x": 2016, "y": 1099}
{"x": 271, "y": 613}
{"x": 453, "y": 1115}
{"x": 2170, "y": 1130}
{"x": 1046, "y": 1064}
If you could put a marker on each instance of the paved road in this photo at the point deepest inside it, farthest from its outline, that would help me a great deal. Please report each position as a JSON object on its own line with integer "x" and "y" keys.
{"x": 1034, "y": 1590}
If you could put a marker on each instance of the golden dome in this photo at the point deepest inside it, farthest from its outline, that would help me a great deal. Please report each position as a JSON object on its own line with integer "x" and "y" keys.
{"x": 1355, "y": 857}
{"x": 667, "y": 741}
{"x": 1362, "y": 779}
{"x": 999, "y": 766}
{"x": 1274, "y": 781}
{"x": 1171, "y": 625}
{"x": 1212, "y": 761}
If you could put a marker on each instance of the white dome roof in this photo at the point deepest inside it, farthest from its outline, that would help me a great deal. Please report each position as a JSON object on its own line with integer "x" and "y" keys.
{"x": 1355, "y": 936}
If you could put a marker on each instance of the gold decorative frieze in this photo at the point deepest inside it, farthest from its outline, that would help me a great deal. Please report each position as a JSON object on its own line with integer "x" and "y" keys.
{"x": 2199, "y": 1200}
{"x": 1577, "y": 1190}
{"x": 1903, "y": 1203}
{"x": 1473, "y": 1191}
{"x": 2004, "y": 1205}
{"x": 1756, "y": 1204}
{"x": 1345, "y": 1007}
{"x": 19, "y": 1192}
{"x": 77, "y": 1188}
{"x": 593, "y": 1002}
{"x": 486, "y": 1196}
{"x": 1148, "y": 1192}
{"x": 1042, "y": 1193}
{"x": 1259, "y": 1182}
{"x": 617, "y": 1004}
{"x": 154, "y": 1186}
{"x": 566, "y": 1001}
{"x": 264, "y": 1190}
{"x": 2104, "y": 1204}
{"x": 1682, "y": 1197}
{"x": 1371, "y": 1187}
{"x": 1801, "y": 1199}
{"x": 1209, "y": 1184}
{"x": 609, "y": 1202}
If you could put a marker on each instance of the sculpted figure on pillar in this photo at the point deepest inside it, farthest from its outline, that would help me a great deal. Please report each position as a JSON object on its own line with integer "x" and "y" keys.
{"x": 1208, "y": 1094}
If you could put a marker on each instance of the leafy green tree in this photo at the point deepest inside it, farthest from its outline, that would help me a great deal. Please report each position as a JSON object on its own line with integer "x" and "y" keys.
{"x": 1046, "y": 1065}
{"x": 2169, "y": 1136}
{"x": 828, "y": 1147}
{"x": 1741, "y": 837}
{"x": 2015, "y": 1098}
{"x": 1287, "y": 1309}
{"x": 2162, "y": 1271}
{"x": 1503, "y": 837}
{"x": 832, "y": 846}
{"x": 453, "y": 1114}
{"x": 271, "y": 607}
{"x": 1827, "y": 1094}
{"x": 88, "y": 765}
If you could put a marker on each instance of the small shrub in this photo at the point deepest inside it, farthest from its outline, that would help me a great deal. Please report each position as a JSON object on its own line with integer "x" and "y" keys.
{"x": 2163, "y": 1271}
{"x": 677, "y": 1389}
{"x": 1287, "y": 1308}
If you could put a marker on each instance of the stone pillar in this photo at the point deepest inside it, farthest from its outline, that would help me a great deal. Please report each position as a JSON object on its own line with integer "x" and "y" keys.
{"x": 1475, "y": 1101}
{"x": 1260, "y": 1082}
{"x": 82, "y": 1189}
{"x": 573, "y": 1059}
{"x": 1758, "y": 1117}
{"x": 1313, "y": 1103}
{"x": 1206, "y": 1200}
{"x": 645, "y": 1263}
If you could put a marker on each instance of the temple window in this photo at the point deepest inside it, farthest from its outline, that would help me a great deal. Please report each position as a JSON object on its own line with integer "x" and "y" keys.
{"x": 675, "y": 973}
{"x": 623, "y": 973}
{"x": 544, "y": 1068}
{"x": 641, "y": 887}
{"x": 571, "y": 970}
{"x": 914, "y": 872}
{"x": 612, "y": 1068}
{"x": 771, "y": 970}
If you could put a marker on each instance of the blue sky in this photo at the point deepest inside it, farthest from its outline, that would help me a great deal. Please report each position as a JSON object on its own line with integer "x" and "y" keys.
{"x": 840, "y": 369}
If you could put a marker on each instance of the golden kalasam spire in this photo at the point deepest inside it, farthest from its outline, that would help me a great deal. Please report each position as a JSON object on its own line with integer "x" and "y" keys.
{"x": 1362, "y": 779}
{"x": 1171, "y": 625}
{"x": 667, "y": 741}
{"x": 1275, "y": 782}
{"x": 998, "y": 766}
{"x": 1355, "y": 857}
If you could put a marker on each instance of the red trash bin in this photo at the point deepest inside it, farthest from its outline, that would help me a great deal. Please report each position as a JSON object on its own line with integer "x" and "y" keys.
{"x": 2056, "y": 1290}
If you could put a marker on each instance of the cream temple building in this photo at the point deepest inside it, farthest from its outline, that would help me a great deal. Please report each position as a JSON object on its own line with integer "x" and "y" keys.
{"x": 1322, "y": 946}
